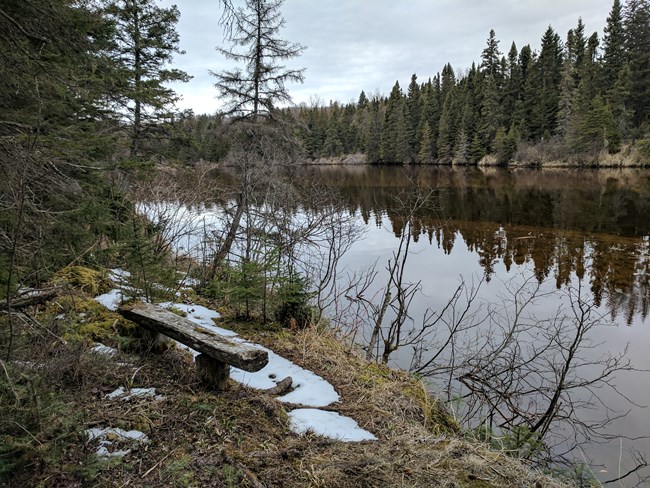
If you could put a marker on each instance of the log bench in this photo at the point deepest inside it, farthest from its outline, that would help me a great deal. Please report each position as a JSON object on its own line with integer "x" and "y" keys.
{"x": 216, "y": 351}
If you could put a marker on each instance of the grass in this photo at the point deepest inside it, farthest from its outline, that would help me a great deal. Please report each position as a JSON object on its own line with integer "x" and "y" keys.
{"x": 237, "y": 437}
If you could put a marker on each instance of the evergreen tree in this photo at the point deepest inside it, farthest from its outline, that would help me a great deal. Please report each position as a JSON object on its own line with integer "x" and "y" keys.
{"x": 394, "y": 127}
{"x": 636, "y": 16}
{"x": 447, "y": 82}
{"x": 513, "y": 83}
{"x": 619, "y": 100}
{"x": 253, "y": 91}
{"x": 462, "y": 151}
{"x": 363, "y": 101}
{"x": 145, "y": 43}
{"x": 333, "y": 145}
{"x": 448, "y": 128}
{"x": 545, "y": 86}
{"x": 598, "y": 129}
{"x": 56, "y": 76}
{"x": 614, "y": 46}
{"x": 413, "y": 116}
{"x": 431, "y": 112}
{"x": 491, "y": 56}
{"x": 426, "y": 154}
{"x": 567, "y": 96}
{"x": 476, "y": 150}
{"x": 576, "y": 44}
{"x": 373, "y": 135}
{"x": 490, "y": 113}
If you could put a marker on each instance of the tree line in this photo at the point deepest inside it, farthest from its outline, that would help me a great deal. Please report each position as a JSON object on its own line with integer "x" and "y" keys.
{"x": 582, "y": 95}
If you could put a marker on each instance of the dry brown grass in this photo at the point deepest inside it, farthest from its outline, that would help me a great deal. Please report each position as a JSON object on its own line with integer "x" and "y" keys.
{"x": 241, "y": 437}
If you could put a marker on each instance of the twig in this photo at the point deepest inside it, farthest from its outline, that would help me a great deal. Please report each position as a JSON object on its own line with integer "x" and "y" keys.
{"x": 158, "y": 463}
{"x": 11, "y": 386}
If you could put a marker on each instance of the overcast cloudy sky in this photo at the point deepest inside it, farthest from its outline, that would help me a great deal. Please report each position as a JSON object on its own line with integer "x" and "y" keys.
{"x": 355, "y": 45}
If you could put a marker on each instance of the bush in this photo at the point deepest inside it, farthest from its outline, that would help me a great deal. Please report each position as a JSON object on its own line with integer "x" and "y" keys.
{"x": 292, "y": 303}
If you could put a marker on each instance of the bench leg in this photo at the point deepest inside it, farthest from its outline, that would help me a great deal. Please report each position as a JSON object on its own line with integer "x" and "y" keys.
{"x": 155, "y": 341}
{"x": 212, "y": 373}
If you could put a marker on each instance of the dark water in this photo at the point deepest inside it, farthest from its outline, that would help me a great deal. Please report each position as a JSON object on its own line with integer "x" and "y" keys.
{"x": 561, "y": 227}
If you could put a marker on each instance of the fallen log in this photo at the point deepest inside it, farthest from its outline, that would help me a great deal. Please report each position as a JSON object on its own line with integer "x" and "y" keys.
{"x": 33, "y": 297}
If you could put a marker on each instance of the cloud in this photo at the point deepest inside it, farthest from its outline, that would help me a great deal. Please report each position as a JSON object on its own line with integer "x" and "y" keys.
{"x": 355, "y": 45}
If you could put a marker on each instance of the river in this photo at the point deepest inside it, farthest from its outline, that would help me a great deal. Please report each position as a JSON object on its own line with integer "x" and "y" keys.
{"x": 562, "y": 229}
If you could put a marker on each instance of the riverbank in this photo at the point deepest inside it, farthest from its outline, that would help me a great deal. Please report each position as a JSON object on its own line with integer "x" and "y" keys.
{"x": 187, "y": 436}
{"x": 528, "y": 156}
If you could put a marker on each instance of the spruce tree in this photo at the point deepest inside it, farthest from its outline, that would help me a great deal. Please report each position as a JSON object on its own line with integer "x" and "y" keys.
{"x": 373, "y": 135}
{"x": 145, "y": 43}
{"x": 491, "y": 56}
{"x": 614, "y": 46}
{"x": 413, "y": 115}
{"x": 426, "y": 155}
{"x": 545, "y": 86}
{"x": 392, "y": 133}
{"x": 490, "y": 114}
{"x": 636, "y": 16}
{"x": 619, "y": 100}
{"x": 448, "y": 128}
{"x": 513, "y": 83}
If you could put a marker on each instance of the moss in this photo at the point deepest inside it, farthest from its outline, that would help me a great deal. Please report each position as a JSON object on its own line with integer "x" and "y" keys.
{"x": 89, "y": 281}
{"x": 88, "y": 319}
{"x": 177, "y": 311}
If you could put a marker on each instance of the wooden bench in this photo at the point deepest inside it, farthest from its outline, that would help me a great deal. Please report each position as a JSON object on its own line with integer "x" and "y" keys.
{"x": 217, "y": 351}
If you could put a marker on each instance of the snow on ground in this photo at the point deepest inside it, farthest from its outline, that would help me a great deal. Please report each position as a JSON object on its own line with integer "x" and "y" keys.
{"x": 327, "y": 424}
{"x": 112, "y": 299}
{"x": 102, "y": 349}
{"x": 308, "y": 388}
{"x": 109, "y": 435}
{"x": 126, "y": 396}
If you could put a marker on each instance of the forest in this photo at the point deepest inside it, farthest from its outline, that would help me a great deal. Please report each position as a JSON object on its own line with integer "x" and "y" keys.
{"x": 98, "y": 167}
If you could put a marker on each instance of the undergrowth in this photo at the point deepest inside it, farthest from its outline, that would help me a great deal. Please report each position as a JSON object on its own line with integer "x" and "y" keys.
{"x": 55, "y": 388}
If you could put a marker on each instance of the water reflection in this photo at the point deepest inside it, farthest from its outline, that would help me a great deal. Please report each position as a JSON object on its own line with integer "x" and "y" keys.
{"x": 563, "y": 223}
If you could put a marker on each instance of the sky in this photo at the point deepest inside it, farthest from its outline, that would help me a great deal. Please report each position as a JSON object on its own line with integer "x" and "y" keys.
{"x": 354, "y": 45}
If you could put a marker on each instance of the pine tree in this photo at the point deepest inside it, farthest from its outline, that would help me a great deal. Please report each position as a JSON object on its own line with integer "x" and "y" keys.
{"x": 254, "y": 91}
{"x": 145, "y": 43}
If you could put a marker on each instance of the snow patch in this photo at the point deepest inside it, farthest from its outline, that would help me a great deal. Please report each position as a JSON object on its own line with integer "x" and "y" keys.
{"x": 309, "y": 388}
{"x": 109, "y": 435}
{"x": 102, "y": 349}
{"x": 134, "y": 393}
{"x": 111, "y": 300}
{"x": 200, "y": 315}
{"x": 327, "y": 424}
